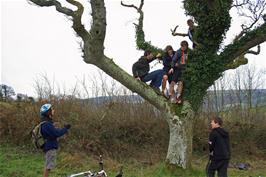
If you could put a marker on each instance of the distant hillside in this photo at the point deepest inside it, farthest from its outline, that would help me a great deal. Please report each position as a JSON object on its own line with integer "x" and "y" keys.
{"x": 231, "y": 98}
{"x": 225, "y": 99}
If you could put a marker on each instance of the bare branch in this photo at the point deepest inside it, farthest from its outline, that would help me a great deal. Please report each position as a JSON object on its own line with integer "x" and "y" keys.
{"x": 139, "y": 9}
{"x": 252, "y": 10}
{"x": 174, "y": 31}
{"x": 77, "y": 24}
{"x": 140, "y": 35}
{"x": 133, "y": 6}
{"x": 59, "y": 8}
{"x": 234, "y": 53}
{"x": 76, "y": 15}
{"x": 238, "y": 4}
{"x": 254, "y": 52}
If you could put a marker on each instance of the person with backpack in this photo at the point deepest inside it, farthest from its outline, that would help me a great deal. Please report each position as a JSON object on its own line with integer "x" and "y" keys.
{"x": 219, "y": 149}
{"x": 141, "y": 70}
{"x": 190, "y": 33}
{"x": 178, "y": 66}
{"x": 50, "y": 135}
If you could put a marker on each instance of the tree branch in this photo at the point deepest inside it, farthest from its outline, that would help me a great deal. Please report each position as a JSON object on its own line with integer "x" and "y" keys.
{"x": 94, "y": 48}
{"x": 174, "y": 33}
{"x": 241, "y": 60}
{"x": 76, "y": 15}
{"x": 77, "y": 24}
{"x": 251, "y": 9}
{"x": 242, "y": 46}
{"x": 132, "y": 5}
{"x": 238, "y": 4}
{"x": 140, "y": 35}
{"x": 58, "y": 6}
{"x": 254, "y": 52}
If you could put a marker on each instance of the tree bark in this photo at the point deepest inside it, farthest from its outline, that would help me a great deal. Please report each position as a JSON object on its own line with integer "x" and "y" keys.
{"x": 181, "y": 134}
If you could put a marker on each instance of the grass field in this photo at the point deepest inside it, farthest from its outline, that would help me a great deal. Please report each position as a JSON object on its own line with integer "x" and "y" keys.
{"x": 18, "y": 162}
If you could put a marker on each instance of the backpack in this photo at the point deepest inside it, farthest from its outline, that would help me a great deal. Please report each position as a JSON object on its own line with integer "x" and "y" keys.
{"x": 36, "y": 136}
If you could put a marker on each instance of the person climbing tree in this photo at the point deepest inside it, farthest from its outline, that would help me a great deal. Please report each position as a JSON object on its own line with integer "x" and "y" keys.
{"x": 178, "y": 66}
{"x": 191, "y": 31}
{"x": 141, "y": 70}
{"x": 167, "y": 60}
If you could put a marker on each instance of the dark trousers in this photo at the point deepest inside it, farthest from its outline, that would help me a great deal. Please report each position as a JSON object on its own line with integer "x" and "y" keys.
{"x": 218, "y": 165}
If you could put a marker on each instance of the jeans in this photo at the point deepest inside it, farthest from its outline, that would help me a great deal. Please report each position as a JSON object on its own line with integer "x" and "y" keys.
{"x": 155, "y": 77}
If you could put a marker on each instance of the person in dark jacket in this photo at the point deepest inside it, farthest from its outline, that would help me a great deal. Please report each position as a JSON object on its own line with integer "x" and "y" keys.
{"x": 178, "y": 66}
{"x": 50, "y": 135}
{"x": 219, "y": 147}
{"x": 141, "y": 70}
{"x": 167, "y": 60}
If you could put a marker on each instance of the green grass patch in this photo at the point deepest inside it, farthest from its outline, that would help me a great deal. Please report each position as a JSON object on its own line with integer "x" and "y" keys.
{"x": 19, "y": 162}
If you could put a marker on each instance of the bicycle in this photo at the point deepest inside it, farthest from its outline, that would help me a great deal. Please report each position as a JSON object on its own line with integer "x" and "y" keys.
{"x": 100, "y": 173}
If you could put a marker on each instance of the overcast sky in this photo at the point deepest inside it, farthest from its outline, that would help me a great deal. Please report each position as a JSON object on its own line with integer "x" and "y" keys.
{"x": 37, "y": 41}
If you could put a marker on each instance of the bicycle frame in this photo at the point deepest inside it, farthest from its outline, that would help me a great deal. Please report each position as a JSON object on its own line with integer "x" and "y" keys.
{"x": 101, "y": 173}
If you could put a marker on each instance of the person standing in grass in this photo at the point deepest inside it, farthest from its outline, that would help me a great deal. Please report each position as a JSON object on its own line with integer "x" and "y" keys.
{"x": 50, "y": 135}
{"x": 219, "y": 149}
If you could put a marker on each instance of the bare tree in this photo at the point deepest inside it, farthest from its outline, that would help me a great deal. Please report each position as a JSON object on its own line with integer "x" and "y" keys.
{"x": 252, "y": 80}
{"x": 205, "y": 67}
{"x": 6, "y": 92}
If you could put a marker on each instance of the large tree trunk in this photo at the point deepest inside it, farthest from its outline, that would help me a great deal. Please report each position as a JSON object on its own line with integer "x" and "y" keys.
{"x": 179, "y": 117}
{"x": 180, "y": 142}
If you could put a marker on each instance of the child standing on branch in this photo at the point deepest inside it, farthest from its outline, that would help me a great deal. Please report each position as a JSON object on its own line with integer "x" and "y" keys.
{"x": 167, "y": 60}
{"x": 178, "y": 66}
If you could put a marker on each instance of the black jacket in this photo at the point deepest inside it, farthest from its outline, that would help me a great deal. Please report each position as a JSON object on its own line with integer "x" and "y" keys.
{"x": 141, "y": 67}
{"x": 167, "y": 61}
{"x": 220, "y": 146}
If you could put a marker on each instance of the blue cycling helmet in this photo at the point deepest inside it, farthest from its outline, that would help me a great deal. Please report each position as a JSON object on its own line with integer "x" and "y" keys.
{"x": 45, "y": 108}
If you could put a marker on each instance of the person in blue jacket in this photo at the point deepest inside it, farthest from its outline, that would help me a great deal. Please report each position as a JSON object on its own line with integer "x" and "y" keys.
{"x": 50, "y": 135}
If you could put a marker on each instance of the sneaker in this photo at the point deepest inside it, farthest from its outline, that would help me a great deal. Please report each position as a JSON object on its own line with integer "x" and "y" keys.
{"x": 165, "y": 93}
{"x": 172, "y": 100}
{"x": 178, "y": 100}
